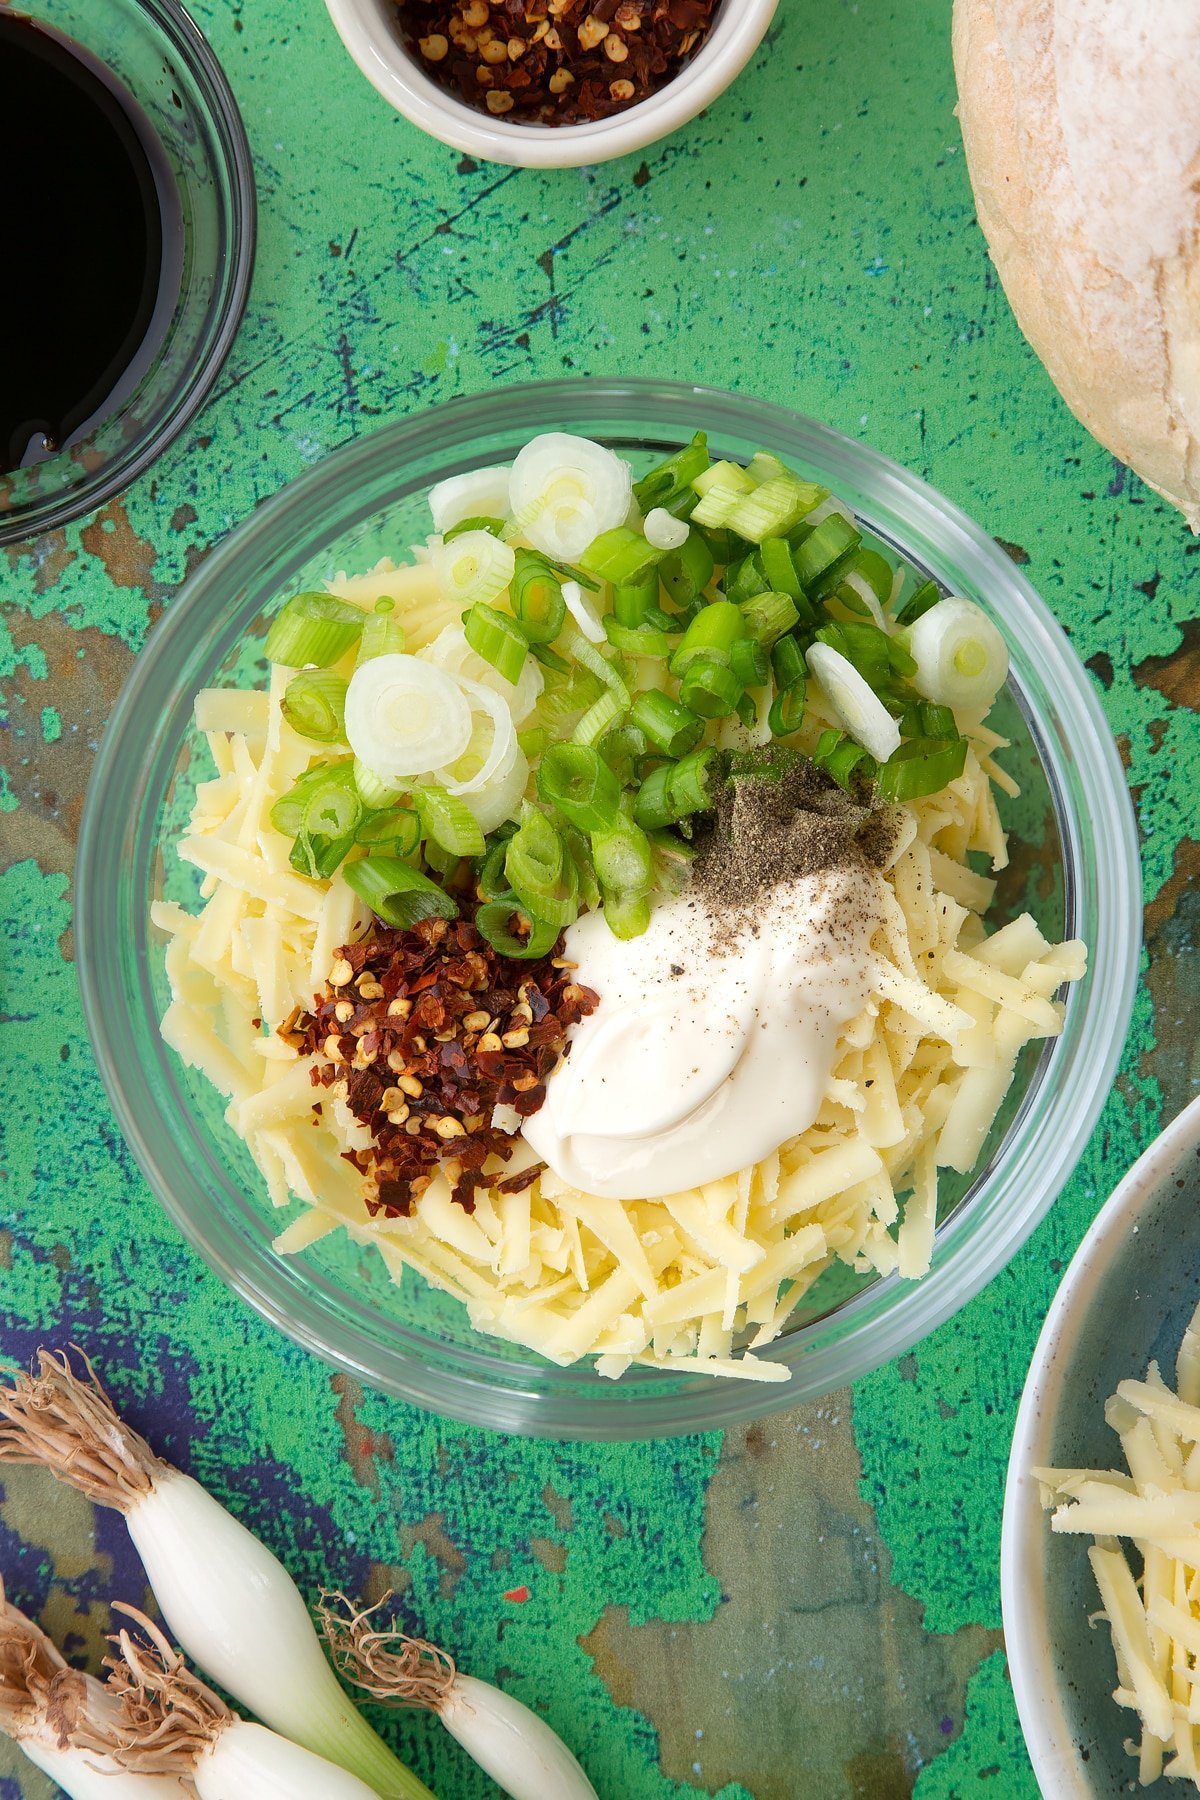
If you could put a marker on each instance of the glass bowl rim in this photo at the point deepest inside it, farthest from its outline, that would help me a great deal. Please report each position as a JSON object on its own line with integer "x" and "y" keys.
{"x": 197, "y": 379}
{"x": 884, "y": 1320}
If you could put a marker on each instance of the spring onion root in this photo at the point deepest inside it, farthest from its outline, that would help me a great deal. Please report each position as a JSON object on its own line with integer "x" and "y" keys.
{"x": 43, "y": 1704}
{"x": 169, "y": 1723}
{"x": 228, "y": 1601}
{"x": 508, "y": 1741}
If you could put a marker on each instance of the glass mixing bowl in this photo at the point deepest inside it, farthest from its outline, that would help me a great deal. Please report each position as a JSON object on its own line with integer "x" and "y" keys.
{"x": 205, "y": 179}
{"x": 1075, "y": 866}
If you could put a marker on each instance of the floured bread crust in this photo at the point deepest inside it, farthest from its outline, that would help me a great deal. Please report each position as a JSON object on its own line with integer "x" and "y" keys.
{"x": 1081, "y": 122}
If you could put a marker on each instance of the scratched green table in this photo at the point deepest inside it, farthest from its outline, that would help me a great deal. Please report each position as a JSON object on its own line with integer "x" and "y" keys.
{"x": 810, "y": 1607}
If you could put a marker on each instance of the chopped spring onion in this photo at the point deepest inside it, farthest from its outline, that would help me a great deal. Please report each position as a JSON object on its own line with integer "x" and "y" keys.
{"x": 686, "y": 572}
{"x": 668, "y": 725}
{"x": 854, "y": 701}
{"x": 495, "y": 923}
{"x": 533, "y": 742}
{"x": 711, "y": 635}
{"x": 874, "y": 569}
{"x": 314, "y": 705}
{"x": 382, "y": 633}
{"x": 447, "y": 819}
{"x": 768, "y": 616}
{"x": 373, "y": 791}
{"x": 331, "y": 818}
{"x": 787, "y": 661}
{"x": 749, "y": 662}
{"x": 480, "y": 522}
{"x": 919, "y": 602}
{"x": 621, "y": 748}
{"x": 779, "y": 568}
{"x": 627, "y": 914}
{"x": 576, "y": 780}
{"x": 824, "y": 547}
{"x": 450, "y": 651}
{"x": 674, "y": 791}
{"x": 856, "y": 594}
{"x": 399, "y": 894}
{"x": 772, "y": 509}
{"x": 637, "y": 640}
{"x": 478, "y": 492}
{"x": 540, "y": 872}
{"x": 565, "y": 491}
{"x": 710, "y": 688}
{"x": 673, "y": 479}
{"x": 632, "y": 600}
{"x": 664, "y": 531}
{"x": 623, "y": 859}
{"x": 604, "y": 712}
{"x": 841, "y": 757}
{"x": 474, "y": 567}
{"x": 763, "y": 466}
{"x": 787, "y": 708}
{"x": 619, "y": 555}
{"x": 229, "y": 1602}
{"x": 921, "y": 766}
{"x": 405, "y": 717}
{"x": 287, "y": 814}
{"x": 550, "y": 659}
{"x": 501, "y": 799}
{"x": 498, "y": 639}
{"x": 747, "y": 578}
{"x": 722, "y": 487}
{"x": 598, "y": 665}
{"x": 961, "y": 658}
{"x": 397, "y": 830}
{"x": 537, "y": 598}
{"x": 929, "y": 720}
{"x": 583, "y": 612}
{"x": 478, "y": 768}
{"x": 312, "y": 631}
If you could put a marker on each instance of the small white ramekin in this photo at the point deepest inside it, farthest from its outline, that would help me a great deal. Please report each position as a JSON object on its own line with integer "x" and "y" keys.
{"x": 371, "y": 33}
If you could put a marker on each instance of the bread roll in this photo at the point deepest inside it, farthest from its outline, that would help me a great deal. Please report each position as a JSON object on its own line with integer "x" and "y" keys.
{"x": 1081, "y": 121}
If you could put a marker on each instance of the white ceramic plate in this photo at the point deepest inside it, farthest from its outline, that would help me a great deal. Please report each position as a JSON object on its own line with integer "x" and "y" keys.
{"x": 1125, "y": 1298}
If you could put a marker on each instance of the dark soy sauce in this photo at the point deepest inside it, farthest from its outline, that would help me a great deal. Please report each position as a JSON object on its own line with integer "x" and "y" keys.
{"x": 84, "y": 235}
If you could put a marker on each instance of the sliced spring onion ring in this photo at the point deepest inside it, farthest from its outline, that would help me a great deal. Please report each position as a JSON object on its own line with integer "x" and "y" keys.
{"x": 494, "y": 763}
{"x": 396, "y": 892}
{"x": 450, "y": 651}
{"x": 961, "y": 658}
{"x": 664, "y": 531}
{"x": 921, "y": 766}
{"x": 314, "y": 705}
{"x": 479, "y": 493}
{"x": 474, "y": 567}
{"x": 500, "y": 801}
{"x": 577, "y": 781}
{"x": 405, "y": 717}
{"x": 449, "y": 821}
{"x": 583, "y": 612}
{"x": 565, "y": 490}
{"x": 312, "y": 631}
{"x": 497, "y": 637}
{"x": 855, "y": 702}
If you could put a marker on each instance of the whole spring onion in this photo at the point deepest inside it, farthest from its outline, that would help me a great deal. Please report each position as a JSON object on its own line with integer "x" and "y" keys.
{"x": 39, "y": 1694}
{"x": 498, "y": 638}
{"x": 405, "y": 717}
{"x": 314, "y": 705}
{"x": 854, "y": 701}
{"x": 577, "y": 781}
{"x": 961, "y": 659}
{"x": 312, "y": 631}
{"x": 449, "y": 821}
{"x": 224, "y": 1596}
{"x": 509, "y": 1742}
{"x": 474, "y": 567}
{"x": 564, "y": 491}
{"x": 397, "y": 893}
{"x": 171, "y": 1723}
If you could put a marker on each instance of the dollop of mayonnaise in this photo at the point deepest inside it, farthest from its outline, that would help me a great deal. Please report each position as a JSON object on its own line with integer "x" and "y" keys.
{"x": 714, "y": 1039}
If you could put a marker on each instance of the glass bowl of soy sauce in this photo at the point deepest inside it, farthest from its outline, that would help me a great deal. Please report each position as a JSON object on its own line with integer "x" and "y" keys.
{"x": 129, "y": 226}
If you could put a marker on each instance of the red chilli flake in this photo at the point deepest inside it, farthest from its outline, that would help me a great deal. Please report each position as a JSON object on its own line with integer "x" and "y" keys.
{"x": 518, "y": 1595}
{"x": 554, "y": 62}
{"x": 424, "y": 1032}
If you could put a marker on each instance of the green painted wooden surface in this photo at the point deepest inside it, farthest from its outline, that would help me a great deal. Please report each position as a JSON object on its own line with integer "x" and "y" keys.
{"x": 809, "y": 1607}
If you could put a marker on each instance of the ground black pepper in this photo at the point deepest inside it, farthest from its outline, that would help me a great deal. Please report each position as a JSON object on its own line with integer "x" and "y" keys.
{"x": 554, "y": 62}
{"x": 779, "y": 817}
